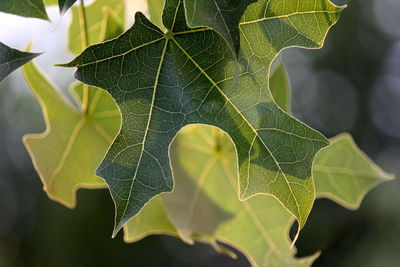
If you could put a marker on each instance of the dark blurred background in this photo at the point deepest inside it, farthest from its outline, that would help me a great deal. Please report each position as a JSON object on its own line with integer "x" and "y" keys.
{"x": 351, "y": 85}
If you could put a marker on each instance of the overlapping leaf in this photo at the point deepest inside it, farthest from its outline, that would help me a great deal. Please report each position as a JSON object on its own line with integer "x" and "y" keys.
{"x": 68, "y": 152}
{"x": 155, "y": 9}
{"x": 74, "y": 143}
{"x": 204, "y": 206}
{"x": 163, "y": 82}
{"x": 221, "y": 15}
{"x": 98, "y": 15}
{"x": 24, "y": 8}
{"x": 11, "y": 59}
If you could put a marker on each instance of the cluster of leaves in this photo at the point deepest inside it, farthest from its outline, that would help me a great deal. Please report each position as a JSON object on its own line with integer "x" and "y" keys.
{"x": 190, "y": 98}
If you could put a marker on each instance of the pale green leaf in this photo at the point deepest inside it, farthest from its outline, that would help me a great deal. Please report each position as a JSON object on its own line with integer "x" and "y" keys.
{"x": 163, "y": 82}
{"x": 67, "y": 153}
{"x": 155, "y": 9}
{"x": 97, "y": 16}
{"x": 11, "y": 59}
{"x": 343, "y": 173}
{"x": 204, "y": 204}
{"x": 204, "y": 201}
{"x": 24, "y": 8}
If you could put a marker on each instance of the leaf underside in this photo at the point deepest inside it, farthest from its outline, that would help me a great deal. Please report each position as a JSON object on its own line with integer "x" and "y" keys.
{"x": 11, "y": 59}
{"x": 25, "y": 8}
{"x": 98, "y": 15}
{"x": 204, "y": 206}
{"x": 162, "y": 82}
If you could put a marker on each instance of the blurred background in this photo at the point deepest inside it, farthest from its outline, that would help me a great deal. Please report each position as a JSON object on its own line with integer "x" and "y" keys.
{"x": 351, "y": 85}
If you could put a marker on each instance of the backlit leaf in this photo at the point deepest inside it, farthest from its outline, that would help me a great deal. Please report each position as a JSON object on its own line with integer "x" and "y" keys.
{"x": 98, "y": 15}
{"x": 67, "y": 153}
{"x": 24, "y": 8}
{"x": 343, "y": 173}
{"x": 11, "y": 59}
{"x": 162, "y": 82}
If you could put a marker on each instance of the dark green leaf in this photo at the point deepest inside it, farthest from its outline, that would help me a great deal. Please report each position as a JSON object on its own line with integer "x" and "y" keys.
{"x": 163, "y": 82}
{"x": 11, "y": 59}
{"x": 24, "y": 8}
{"x": 64, "y": 5}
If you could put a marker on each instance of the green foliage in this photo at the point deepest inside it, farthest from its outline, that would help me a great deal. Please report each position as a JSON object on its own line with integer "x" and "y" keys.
{"x": 343, "y": 173}
{"x": 57, "y": 154}
{"x": 185, "y": 86}
{"x": 201, "y": 106}
{"x": 24, "y": 8}
{"x": 221, "y": 15}
{"x": 98, "y": 15}
{"x": 204, "y": 205}
{"x": 11, "y": 59}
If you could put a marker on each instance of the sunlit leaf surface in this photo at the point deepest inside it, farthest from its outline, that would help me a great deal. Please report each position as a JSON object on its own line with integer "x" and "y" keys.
{"x": 164, "y": 81}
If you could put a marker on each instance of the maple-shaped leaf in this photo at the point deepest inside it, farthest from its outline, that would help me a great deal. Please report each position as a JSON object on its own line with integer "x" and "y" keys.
{"x": 11, "y": 59}
{"x": 343, "y": 173}
{"x": 203, "y": 159}
{"x": 98, "y": 15}
{"x": 164, "y": 81}
{"x": 24, "y": 8}
{"x": 67, "y": 153}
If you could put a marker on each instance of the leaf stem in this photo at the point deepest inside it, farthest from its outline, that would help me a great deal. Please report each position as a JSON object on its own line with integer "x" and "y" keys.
{"x": 85, "y": 44}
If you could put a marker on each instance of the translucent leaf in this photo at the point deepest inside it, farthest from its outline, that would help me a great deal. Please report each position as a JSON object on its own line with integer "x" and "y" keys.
{"x": 164, "y": 81}
{"x": 67, "y": 153}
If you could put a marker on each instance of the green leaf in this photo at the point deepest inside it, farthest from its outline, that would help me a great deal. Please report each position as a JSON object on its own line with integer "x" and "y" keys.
{"x": 11, "y": 59}
{"x": 204, "y": 207}
{"x": 203, "y": 161}
{"x": 25, "y": 8}
{"x": 98, "y": 15}
{"x": 112, "y": 24}
{"x": 64, "y": 5}
{"x": 204, "y": 204}
{"x": 50, "y": 2}
{"x": 343, "y": 173}
{"x": 155, "y": 8}
{"x": 221, "y": 15}
{"x": 279, "y": 85}
{"x": 67, "y": 153}
{"x": 162, "y": 82}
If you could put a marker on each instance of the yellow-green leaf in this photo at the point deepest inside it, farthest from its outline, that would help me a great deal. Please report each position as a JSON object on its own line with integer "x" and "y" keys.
{"x": 67, "y": 153}
{"x": 97, "y": 15}
{"x": 343, "y": 173}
